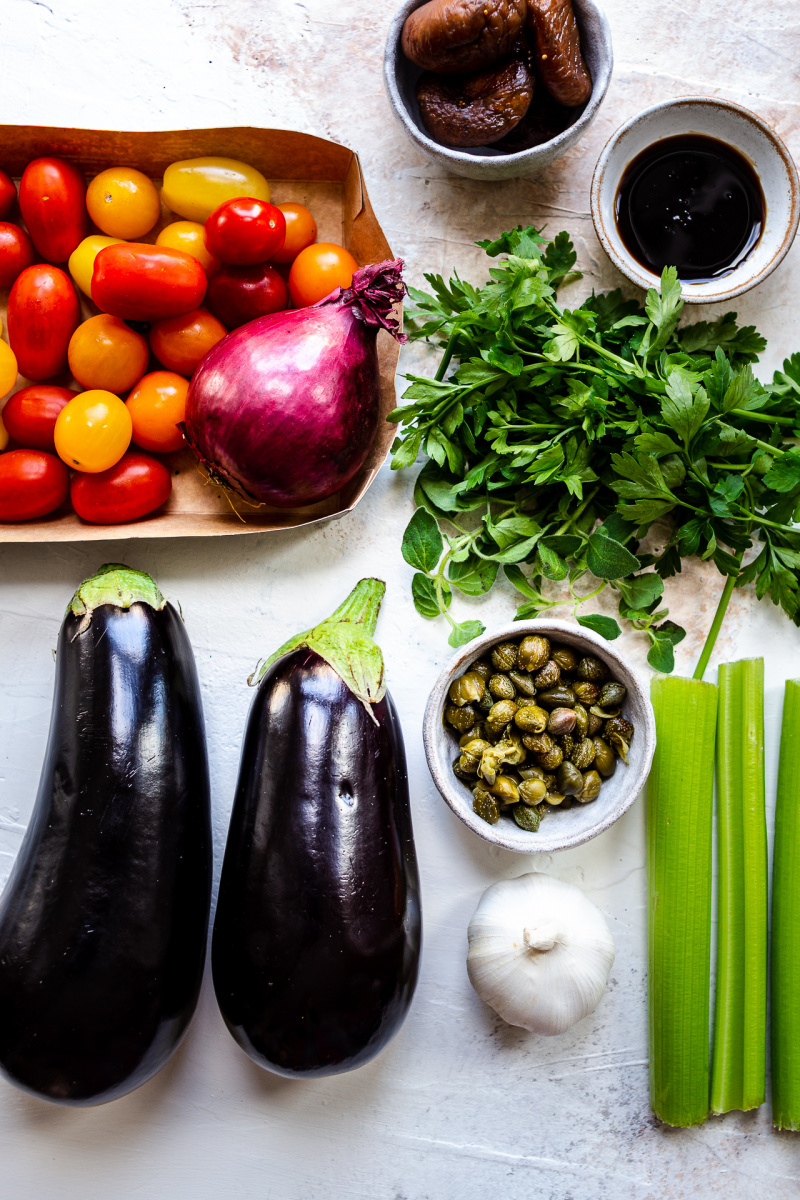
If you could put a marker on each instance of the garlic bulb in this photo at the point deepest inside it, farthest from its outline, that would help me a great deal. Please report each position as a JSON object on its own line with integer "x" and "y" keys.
{"x": 539, "y": 952}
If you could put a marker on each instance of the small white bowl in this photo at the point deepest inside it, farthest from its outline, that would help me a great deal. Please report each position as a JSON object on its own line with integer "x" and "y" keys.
{"x": 559, "y": 830}
{"x": 726, "y": 122}
{"x": 483, "y": 162}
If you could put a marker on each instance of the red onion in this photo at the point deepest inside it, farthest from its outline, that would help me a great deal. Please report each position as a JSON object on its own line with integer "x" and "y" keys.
{"x": 284, "y": 409}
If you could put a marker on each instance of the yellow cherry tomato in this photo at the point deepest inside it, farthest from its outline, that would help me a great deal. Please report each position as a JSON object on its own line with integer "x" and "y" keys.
{"x": 81, "y": 261}
{"x": 157, "y": 406}
{"x": 3, "y": 435}
{"x": 106, "y": 353}
{"x": 93, "y": 431}
{"x": 8, "y": 368}
{"x": 188, "y": 236}
{"x": 194, "y": 187}
{"x": 123, "y": 203}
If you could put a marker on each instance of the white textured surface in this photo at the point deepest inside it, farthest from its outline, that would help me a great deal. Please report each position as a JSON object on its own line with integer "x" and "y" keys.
{"x": 460, "y": 1107}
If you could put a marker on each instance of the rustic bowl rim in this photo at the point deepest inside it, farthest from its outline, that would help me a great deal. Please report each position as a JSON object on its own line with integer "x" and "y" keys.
{"x": 456, "y": 795}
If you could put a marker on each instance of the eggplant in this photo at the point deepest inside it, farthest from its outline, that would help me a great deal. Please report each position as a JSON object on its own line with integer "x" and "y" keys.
{"x": 317, "y": 933}
{"x": 104, "y": 919}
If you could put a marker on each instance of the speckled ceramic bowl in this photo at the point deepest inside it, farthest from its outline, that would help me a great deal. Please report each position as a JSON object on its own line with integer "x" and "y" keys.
{"x": 558, "y": 830}
{"x": 726, "y": 122}
{"x": 483, "y": 162}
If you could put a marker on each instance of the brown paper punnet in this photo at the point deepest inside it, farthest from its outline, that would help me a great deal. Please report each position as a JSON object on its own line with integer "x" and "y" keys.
{"x": 320, "y": 174}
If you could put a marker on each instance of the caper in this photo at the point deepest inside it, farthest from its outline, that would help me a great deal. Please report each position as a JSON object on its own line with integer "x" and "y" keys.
{"x": 557, "y": 799}
{"x": 534, "y": 652}
{"x": 591, "y": 668}
{"x": 531, "y": 719}
{"x": 591, "y": 787}
{"x": 485, "y": 806}
{"x": 569, "y": 779}
{"x": 477, "y": 731}
{"x": 548, "y": 676}
{"x": 612, "y": 694}
{"x": 552, "y": 759}
{"x": 466, "y": 689}
{"x": 475, "y": 747}
{"x": 523, "y": 683}
{"x": 532, "y": 791}
{"x": 566, "y": 742}
{"x": 581, "y": 720}
{"x": 537, "y": 743}
{"x": 565, "y": 656}
{"x": 485, "y": 703}
{"x": 462, "y": 718}
{"x": 550, "y": 780}
{"x": 605, "y": 714}
{"x": 482, "y": 668}
{"x": 466, "y": 767}
{"x": 618, "y": 733}
{"x": 594, "y": 725}
{"x": 527, "y": 818}
{"x": 560, "y": 696}
{"x": 583, "y": 753}
{"x": 501, "y": 687}
{"x": 504, "y": 656}
{"x": 562, "y": 720}
{"x": 605, "y": 760}
{"x": 505, "y": 789}
{"x": 500, "y": 715}
{"x": 531, "y": 773}
{"x": 586, "y": 692}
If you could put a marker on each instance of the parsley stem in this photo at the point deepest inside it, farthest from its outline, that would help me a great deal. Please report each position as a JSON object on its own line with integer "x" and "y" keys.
{"x": 764, "y": 417}
{"x": 448, "y": 353}
{"x": 716, "y": 624}
{"x": 578, "y": 511}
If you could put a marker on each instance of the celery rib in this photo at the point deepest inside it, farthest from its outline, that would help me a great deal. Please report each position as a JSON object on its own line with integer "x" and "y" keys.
{"x": 785, "y": 1004}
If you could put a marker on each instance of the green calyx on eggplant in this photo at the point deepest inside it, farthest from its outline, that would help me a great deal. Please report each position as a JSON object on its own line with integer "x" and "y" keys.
{"x": 103, "y": 920}
{"x": 318, "y": 927}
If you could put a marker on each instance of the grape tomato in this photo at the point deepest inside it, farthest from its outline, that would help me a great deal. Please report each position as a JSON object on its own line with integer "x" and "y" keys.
{"x": 8, "y": 369}
{"x": 16, "y": 252}
{"x": 43, "y": 313}
{"x": 245, "y": 231}
{"x": 30, "y": 414}
{"x": 52, "y": 200}
{"x": 237, "y": 295}
{"x": 189, "y": 236}
{"x": 32, "y": 484}
{"x": 140, "y": 282}
{"x": 179, "y": 343}
{"x": 194, "y": 187}
{"x": 81, "y": 261}
{"x": 132, "y": 488}
{"x": 8, "y": 194}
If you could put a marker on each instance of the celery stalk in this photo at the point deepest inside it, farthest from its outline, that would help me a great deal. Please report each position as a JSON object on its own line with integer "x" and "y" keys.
{"x": 738, "y": 1071}
{"x": 679, "y": 822}
{"x": 785, "y": 1005}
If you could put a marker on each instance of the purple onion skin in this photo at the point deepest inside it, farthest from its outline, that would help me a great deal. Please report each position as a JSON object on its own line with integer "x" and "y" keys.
{"x": 284, "y": 409}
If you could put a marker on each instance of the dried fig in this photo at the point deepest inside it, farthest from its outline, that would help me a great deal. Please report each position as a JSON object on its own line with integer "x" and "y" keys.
{"x": 453, "y": 37}
{"x": 475, "y": 110}
{"x": 557, "y": 51}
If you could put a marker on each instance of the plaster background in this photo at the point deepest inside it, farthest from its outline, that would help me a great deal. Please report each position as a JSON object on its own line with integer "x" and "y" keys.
{"x": 460, "y": 1105}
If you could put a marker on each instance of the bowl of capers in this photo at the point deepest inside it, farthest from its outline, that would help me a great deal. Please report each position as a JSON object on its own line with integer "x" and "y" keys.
{"x": 539, "y": 735}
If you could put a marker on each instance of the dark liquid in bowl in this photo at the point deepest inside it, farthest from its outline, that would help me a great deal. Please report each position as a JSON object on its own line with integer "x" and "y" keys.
{"x": 690, "y": 202}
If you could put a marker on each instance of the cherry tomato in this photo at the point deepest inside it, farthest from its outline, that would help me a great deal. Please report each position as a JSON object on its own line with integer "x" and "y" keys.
{"x": 132, "y": 488}
{"x": 81, "y": 261}
{"x": 301, "y": 231}
{"x": 179, "y": 343}
{"x": 3, "y": 435}
{"x": 240, "y": 294}
{"x": 30, "y": 414}
{"x": 8, "y": 194}
{"x": 53, "y": 205}
{"x": 43, "y": 313}
{"x": 140, "y": 282}
{"x": 157, "y": 406}
{"x": 93, "y": 431}
{"x": 319, "y": 269}
{"x": 189, "y": 236}
{"x": 106, "y": 353}
{"x": 16, "y": 252}
{"x": 194, "y": 187}
{"x": 123, "y": 202}
{"x": 8, "y": 369}
{"x": 245, "y": 231}
{"x": 32, "y": 484}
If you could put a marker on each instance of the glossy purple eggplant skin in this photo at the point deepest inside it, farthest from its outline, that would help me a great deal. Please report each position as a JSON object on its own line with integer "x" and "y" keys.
{"x": 103, "y": 921}
{"x": 318, "y": 927}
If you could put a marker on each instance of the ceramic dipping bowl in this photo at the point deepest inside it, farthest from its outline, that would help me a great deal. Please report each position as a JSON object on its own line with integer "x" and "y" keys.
{"x": 739, "y": 128}
{"x": 483, "y": 162}
{"x": 558, "y": 830}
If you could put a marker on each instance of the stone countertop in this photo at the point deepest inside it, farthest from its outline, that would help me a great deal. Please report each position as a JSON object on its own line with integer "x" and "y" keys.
{"x": 460, "y": 1105}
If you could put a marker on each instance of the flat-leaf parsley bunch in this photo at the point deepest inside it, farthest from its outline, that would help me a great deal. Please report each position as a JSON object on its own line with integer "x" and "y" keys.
{"x": 559, "y": 437}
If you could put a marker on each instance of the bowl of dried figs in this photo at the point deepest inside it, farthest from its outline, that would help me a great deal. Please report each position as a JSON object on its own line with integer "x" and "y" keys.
{"x": 493, "y": 89}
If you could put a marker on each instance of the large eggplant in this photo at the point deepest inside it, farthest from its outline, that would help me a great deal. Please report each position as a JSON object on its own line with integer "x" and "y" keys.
{"x": 103, "y": 921}
{"x": 317, "y": 933}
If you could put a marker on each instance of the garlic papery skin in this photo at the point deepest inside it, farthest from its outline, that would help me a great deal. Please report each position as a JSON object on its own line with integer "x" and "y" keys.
{"x": 539, "y": 953}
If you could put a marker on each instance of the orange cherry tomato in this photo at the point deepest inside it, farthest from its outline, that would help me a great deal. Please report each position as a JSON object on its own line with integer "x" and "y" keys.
{"x": 52, "y": 200}
{"x": 106, "y": 353}
{"x": 131, "y": 489}
{"x": 93, "y": 431}
{"x": 319, "y": 269}
{"x": 140, "y": 282}
{"x": 43, "y": 314}
{"x": 189, "y": 236}
{"x": 123, "y": 202}
{"x": 301, "y": 231}
{"x": 157, "y": 406}
{"x": 179, "y": 343}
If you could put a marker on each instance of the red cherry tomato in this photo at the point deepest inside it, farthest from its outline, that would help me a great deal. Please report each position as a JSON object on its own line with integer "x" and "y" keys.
{"x": 52, "y": 199}
{"x": 237, "y": 295}
{"x": 134, "y": 487}
{"x": 16, "y": 252}
{"x": 245, "y": 231}
{"x": 30, "y": 415}
{"x": 8, "y": 194}
{"x": 318, "y": 270}
{"x": 43, "y": 313}
{"x": 32, "y": 484}
{"x": 140, "y": 282}
{"x": 301, "y": 231}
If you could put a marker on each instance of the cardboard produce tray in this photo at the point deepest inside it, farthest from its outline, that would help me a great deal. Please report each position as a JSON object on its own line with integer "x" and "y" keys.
{"x": 310, "y": 170}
